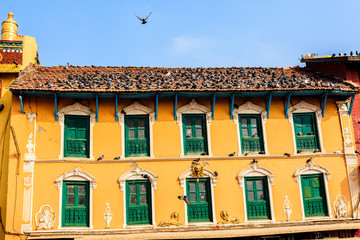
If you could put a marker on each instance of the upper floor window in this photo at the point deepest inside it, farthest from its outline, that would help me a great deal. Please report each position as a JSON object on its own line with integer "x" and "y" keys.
{"x": 305, "y": 132}
{"x": 305, "y": 121}
{"x": 137, "y": 136}
{"x": 251, "y": 134}
{"x": 76, "y": 136}
{"x": 194, "y": 121}
{"x": 76, "y": 122}
{"x": 250, "y": 121}
{"x": 194, "y": 134}
{"x": 136, "y": 121}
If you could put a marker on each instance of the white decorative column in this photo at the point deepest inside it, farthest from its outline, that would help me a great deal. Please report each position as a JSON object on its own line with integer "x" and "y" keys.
{"x": 28, "y": 167}
{"x": 350, "y": 157}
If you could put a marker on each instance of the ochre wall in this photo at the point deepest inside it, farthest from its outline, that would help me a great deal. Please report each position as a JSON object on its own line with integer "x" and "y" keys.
{"x": 167, "y": 164}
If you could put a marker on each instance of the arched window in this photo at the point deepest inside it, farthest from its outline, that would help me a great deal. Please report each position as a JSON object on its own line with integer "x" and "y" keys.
{"x": 136, "y": 121}
{"x": 312, "y": 179}
{"x": 200, "y": 192}
{"x": 256, "y": 182}
{"x": 250, "y": 125}
{"x": 305, "y": 121}
{"x": 75, "y": 199}
{"x": 76, "y": 122}
{"x": 138, "y": 187}
{"x": 194, "y": 121}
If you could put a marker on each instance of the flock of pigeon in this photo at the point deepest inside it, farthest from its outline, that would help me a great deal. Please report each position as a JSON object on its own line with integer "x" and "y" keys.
{"x": 147, "y": 79}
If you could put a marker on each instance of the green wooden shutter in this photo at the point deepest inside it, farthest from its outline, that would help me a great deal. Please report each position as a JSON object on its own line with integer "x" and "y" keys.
{"x": 251, "y": 133}
{"x": 305, "y": 132}
{"x": 199, "y": 194}
{"x": 137, "y": 136}
{"x": 257, "y": 198}
{"x": 76, "y": 136}
{"x": 194, "y": 132}
{"x": 313, "y": 192}
{"x": 138, "y": 202}
{"x": 75, "y": 204}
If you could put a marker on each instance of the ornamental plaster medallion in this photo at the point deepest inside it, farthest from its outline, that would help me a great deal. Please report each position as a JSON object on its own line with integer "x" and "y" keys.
{"x": 228, "y": 219}
{"x": 348, "y": 141}
{"x": 27, "y": 179}
{"x": 76, "y": 172}
{"x": 30, "y": 146}
{"x": 197, "y": 169}
{"x": 135, "y": 174}
{"x": 342, "y": 108}
{"x": 341, "y": 207}
{"x": 173, "y": 221}
{"x": 45, "y": 218}
{"x": 204, "y": 172}
{"x": 287, "y": 208}
{"x": 108, "y": 215}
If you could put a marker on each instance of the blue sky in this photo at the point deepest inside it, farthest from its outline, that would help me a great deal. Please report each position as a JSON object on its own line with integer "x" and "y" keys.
{"x": 203, "y": 33}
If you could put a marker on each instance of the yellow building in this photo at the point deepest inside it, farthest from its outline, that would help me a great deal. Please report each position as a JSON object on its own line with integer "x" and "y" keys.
{"x": 180, "y": 153}
{"x": 16, "y": 52}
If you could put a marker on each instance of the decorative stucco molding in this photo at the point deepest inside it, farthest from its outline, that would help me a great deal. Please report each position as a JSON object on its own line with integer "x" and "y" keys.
{"x": 47, "y": 218}
{"x": 136, "y": 108}
{"x": 311, "y": 168}
{"x": 255, "y": 170}
{"x": 76, "y": 109}
{"x": 189, "y": 174}
{"x": 304, "y": 107}
{"x": 342, "y": 108}
{"x": 108, "y": 215}
{"x": 75, "y": 174}
{"x": 194, "y": 108}
{"x": 138, "y": 174}
{"x": 250, "y": 108}
{"x": 341, "y": 206}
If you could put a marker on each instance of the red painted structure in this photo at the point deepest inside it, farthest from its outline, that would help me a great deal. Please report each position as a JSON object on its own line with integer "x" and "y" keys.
{"x": 346, "y": 67}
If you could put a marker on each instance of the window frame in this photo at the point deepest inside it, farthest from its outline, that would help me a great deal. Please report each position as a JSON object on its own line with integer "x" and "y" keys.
{"x": 249, "y": 127}
{"x": 249, "y": 108}
{"x": 255, "y": 170}
{"x": 197, "y": 192}
{"x": 76, "y": 109}
{"x": 66, "y": 129}
{"x": 266, "y": 192}
{"x": 136, "y": 118}
{"x": 194, "y": 108}
{"x": 304, "y": 107}
{"x": 313, "y": 126}
{"x": 194, "y": 128}
{"x": 76, "y": 193}
{"x": 136, "y": 108}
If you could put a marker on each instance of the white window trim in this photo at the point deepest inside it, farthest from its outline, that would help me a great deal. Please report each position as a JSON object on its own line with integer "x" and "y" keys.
{"x": 75, "y": 175}
{"x": 79, "y": 110}
{"x": 213, "y": 179}
{"x": 250, "y": 108}
{"x": 137, "y": 174}
{"x": 136, "y": 108}
{"x": 194, "y": 108}
{"x": 257, "y": 171}
{"x": 304, "y": 107}
{"x": 311, "y": 168}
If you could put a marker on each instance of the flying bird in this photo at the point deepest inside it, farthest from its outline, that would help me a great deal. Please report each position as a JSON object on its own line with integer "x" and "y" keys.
{"x": 100, "y": 158}
{"x": 185, "y": 198}
{"x": 143, "y": 19}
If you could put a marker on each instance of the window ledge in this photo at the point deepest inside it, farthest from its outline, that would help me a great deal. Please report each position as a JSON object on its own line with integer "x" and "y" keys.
{"x": 74, "y": 228}
{"x": 201, "y": 224}
{"x": 320, "y": 218}
{"x": 76, "y": 158}
{"x": 309, "y": 153}
{"x": 260, "y": 221}
{"x": 196, "y": 156}
{"x": 145, "y": 226}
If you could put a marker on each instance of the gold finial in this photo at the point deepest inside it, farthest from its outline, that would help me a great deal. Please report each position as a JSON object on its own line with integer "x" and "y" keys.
{"x": 9, "y": 28}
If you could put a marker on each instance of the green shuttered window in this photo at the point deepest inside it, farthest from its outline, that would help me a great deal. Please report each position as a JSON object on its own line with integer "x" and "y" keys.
{"x": 199, "y": 194}
{"x": 137, "y": 136}
{"x": 251, "y": 134}
{"x": 305, "y": 132}
{"x": 194, "y": 132}
{"x": 314, "y": 199}
{"x": 138, "y": 202}
{"x": 257, "y": 198}
{"x": 76, "y": 136}
{"x": 75, "y": 204}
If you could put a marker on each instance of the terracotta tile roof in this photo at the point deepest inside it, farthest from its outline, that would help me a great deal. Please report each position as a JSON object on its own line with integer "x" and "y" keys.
{"x": 151, "y": 79}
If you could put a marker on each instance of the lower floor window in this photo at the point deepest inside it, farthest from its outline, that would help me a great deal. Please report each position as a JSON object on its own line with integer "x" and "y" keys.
{"x": 199, "y": 194}
{"x": 313, "y": 192}
{"x": 138, "y": 202}
{"x": 75, "y": 210}
{"x": 257, "y": 198}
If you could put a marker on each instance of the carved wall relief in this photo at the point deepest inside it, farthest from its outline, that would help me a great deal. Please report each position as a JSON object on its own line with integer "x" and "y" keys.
{"x": 45, "y": 218}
